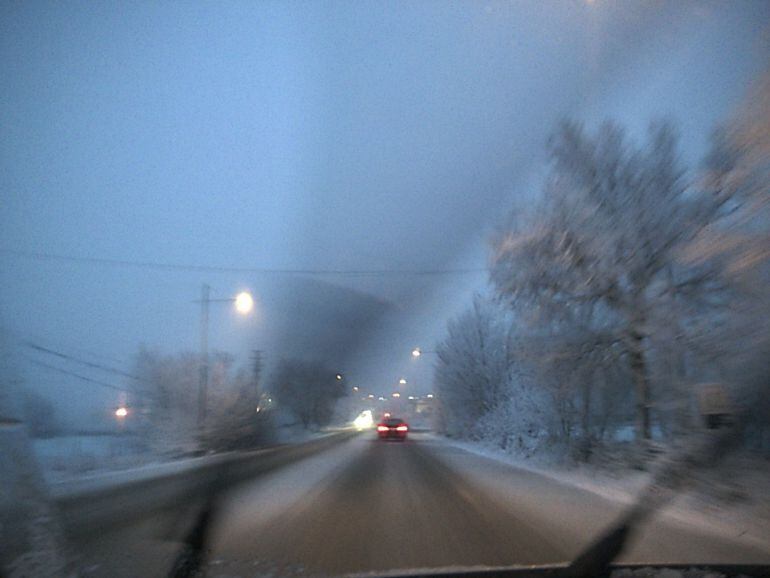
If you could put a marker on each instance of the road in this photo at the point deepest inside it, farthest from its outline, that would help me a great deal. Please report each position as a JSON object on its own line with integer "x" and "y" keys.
{"x": 367, "y": 505}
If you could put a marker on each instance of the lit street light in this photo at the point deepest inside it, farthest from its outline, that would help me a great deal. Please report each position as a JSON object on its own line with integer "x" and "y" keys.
{"x": 402, "y": 381}
{"x": 121, "y": 412}
{"x": 417, "y": 352}
{"x": 244, "y": 303}
{"x": 396, "y": 395}
{"x": 338, "y": 377}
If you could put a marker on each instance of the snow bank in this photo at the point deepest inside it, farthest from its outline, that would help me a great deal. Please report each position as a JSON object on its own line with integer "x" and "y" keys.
{"x": 734, "y": 507}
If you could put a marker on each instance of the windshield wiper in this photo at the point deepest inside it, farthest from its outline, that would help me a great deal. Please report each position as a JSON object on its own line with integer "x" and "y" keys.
{"x": 704, "y": 451}
{"x": 196, "y": 543}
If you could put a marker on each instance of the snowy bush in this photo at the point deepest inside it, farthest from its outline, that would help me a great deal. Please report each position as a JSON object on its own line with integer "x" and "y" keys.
{"x": 166, "y": 404}
{"x": 512, "y": 428}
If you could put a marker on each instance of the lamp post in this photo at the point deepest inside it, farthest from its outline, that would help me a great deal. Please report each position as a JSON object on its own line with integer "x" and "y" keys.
{"x": 417, "y": 352}
{"x": 244, "y": 303}
{"x": 203, "y": 379}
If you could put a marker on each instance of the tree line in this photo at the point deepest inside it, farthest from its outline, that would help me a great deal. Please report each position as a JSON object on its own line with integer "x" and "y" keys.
{"x": 630, "y": 282}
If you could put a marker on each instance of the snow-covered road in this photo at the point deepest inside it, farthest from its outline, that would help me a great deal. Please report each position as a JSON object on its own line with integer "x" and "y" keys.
{"x": 366, "y": 505}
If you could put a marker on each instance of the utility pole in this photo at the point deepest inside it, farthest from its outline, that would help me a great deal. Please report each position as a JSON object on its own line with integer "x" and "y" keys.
{"x": 256, "y": 368}
{"x": 244, "y": 303}
{"x": 204, "y": 361}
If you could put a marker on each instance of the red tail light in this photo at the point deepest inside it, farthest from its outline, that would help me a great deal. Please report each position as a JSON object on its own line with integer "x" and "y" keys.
{"x": 382, "y": 428}
{"x": 401, "y": 428}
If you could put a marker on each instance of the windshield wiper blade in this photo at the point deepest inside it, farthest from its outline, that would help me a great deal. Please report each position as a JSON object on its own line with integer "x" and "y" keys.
{"x": 704, "y": 451}
{"x": 194, "y": 555}
{"x": 596, "y": 560}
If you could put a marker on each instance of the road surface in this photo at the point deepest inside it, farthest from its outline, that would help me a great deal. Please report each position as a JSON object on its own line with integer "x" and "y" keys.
{"x": 368, "y": 505}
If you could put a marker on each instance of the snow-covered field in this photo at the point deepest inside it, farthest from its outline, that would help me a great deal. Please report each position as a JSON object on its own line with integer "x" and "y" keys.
{"x": 68, "y": 457}
{"x": 733, "y": 501}
{"x": 85, "y": 461}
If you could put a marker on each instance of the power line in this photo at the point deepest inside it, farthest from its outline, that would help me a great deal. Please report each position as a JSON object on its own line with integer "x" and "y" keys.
{"x": 78, "y": 376}
{"x": 81, "y": 361}
{"x": 158, "y": 266}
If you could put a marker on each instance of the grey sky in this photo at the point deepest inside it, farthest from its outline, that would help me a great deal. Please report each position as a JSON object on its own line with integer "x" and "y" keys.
{"x": 339, "y": 135}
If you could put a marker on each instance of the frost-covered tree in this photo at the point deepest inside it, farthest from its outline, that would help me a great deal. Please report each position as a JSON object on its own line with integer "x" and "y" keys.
{"x": 736, "y": 181}
{"x": 166, "y": 402}
{"x": 233, "y": 417}
{"x": 486, "y": 383}
{"x": 473, "y": 365}
{"x": 628, "y": 286}
{"x": 601, "y": 251}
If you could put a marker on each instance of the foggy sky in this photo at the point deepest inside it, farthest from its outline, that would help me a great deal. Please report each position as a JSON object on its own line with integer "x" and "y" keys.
{"x": 328, "y": 135}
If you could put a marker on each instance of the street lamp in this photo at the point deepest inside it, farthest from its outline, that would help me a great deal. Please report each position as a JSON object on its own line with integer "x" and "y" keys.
{"x": 121, "y": 412}
{"x": 402, "y": 381}
{"x": 417, "y": 352}
{"x": 244, "y": 303}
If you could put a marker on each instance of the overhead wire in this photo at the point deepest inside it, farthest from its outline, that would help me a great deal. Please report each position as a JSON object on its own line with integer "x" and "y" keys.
{"x": 78, "y": 376}
{"x": 189, "y": 267}
{"x": 91, "y": 364}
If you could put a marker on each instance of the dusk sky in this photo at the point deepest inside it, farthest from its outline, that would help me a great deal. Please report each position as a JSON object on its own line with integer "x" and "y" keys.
{"x": 376, "y": 143}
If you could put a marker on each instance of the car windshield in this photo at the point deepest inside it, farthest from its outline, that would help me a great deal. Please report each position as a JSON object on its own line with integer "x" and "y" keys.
{"x": 340, "y": 287}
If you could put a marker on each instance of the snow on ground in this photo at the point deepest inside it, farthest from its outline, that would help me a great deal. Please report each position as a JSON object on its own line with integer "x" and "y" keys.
{"x": 611, "y": 485}
{"x": 84, "y": 463}
{"x": 107, "y": 478}
{"x": 296, "y": 434}
{"x": 72, "y": 457}
{"x": 738, "y": 507}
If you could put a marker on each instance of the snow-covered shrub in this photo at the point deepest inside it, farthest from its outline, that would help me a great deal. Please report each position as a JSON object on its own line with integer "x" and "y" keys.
{"x": 166, "y": 404}
{"x": 472, "y": 372}
{"x": 509, "y": 427}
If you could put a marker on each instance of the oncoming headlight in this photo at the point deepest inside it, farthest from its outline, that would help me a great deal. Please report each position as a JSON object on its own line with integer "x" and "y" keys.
{"x": 364, "y": 420}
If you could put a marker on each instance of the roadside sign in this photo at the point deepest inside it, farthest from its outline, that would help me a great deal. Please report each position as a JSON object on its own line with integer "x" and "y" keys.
{"x": 713, "y": 399}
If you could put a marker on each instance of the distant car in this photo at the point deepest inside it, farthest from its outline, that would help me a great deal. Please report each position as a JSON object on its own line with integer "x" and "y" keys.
{"x": 392, "y": 428}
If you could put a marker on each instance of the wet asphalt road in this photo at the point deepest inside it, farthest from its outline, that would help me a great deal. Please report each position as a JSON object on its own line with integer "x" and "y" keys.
{"x": 369, "y": 506}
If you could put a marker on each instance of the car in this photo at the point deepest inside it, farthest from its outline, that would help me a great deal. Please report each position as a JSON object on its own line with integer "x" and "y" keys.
{"x": 392, "y": 428}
